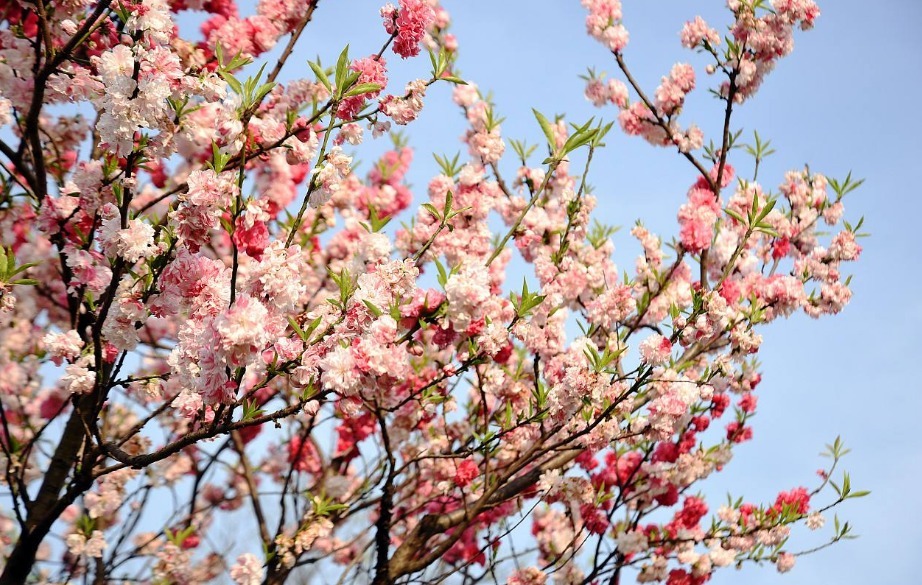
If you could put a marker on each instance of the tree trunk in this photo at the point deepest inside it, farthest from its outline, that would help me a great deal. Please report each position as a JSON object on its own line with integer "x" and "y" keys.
{"x": 49, "y": 504}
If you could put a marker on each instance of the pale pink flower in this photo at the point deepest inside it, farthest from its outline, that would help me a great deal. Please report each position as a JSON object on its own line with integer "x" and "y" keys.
{"x": 631, "y": 542}
{"x": 596, "y": 92}
{"x": 330, "y": 176}
{"x": 6, "y": 111}
{"x": 670, "y": 95}
{"x": 696, "y": 32}
{"x": 527, "y": 576}
{"x": 604, "y": 23}
{"x": 697, "y": 219}
{"x": 63, "y": 346}
{"x": 242, "y": 331}
{"x": 78, "y": 378}
{"x": 465, "y": 95}
{"x": 339, "y": 371}
{"x": 655, "y": 350}
{"x": 612, "y": 306}
{"x": 78, "y": 544}
{"x": 785, "y": 562}
{"x": 815, "y": 521}
{"x": 248, "y": 570}
{"x": 403, "y": 110}
{"x": 351, "y": 133}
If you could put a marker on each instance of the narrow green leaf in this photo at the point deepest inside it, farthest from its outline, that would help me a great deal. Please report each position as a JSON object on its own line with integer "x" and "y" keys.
{"x": 546, "y": 128}
{"x": 374, "y": 309}
{"x": 363, "y": 88}
{"x": 432, "y": 211}
{"x": 297, "y": 328}
{"x": 342, "y": 65}
{"x": 321, "y": 75}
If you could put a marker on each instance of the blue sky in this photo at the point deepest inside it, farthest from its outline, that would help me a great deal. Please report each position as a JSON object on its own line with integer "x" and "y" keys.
{"x": 844, "y": 100}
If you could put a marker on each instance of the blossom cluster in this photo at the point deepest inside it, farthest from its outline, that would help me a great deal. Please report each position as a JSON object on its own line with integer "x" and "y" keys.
{"x": 206, "y": 299}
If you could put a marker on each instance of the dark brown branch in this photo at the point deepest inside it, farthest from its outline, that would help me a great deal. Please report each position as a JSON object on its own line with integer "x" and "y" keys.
{"x": 385, "y": 510}
{"x": 658, "y": 119}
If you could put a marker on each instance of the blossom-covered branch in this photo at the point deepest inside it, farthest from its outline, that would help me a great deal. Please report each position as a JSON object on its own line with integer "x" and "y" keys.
{"x": 210, "y": 320}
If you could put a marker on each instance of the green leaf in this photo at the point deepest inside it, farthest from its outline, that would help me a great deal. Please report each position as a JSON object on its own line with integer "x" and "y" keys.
{"x": 522, "y": 150}
{"x": 179, "y": 536}
{"x": 263, "y": 90}
{"x": 251, "y": 410}
{"x": 735, "y": 215}
{"x": 582, "y": 135}
{"x": 450, "y": 168}
{"x": 363, "y": 88}
{"x": 546, "y": 128}
{"x": 342, "y": 65}
{"x": 447, "y": 209}
{"x": 321, "y": 75}
{"x": 434, "y": 61}
{"x": 231, "y": 81}
{"x": 313, "y": 325}
{"x": 219, "y": 53}
{"x": 219, "y": 159}
{"x": 432, "y": 211}
{"x": 297, "y": 329}
{"x": 443, "y": 274}
{"x": 376, "y": 222}
{"x": 526, "y": 301}
{"x": 844, "y": 188}
{"x": 769, "y": 205}
{"x": 601, "y": 131}
{"x": 374, "y": 309}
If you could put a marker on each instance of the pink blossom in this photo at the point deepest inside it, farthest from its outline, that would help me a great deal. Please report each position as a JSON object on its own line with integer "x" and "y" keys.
{"x": 251, "y": 240}
{"x": 596, "y": 92}
{"x": 805, "y": 11}
{"x": 63, "y": 346}
{"x": 241, "y": 330}
{"x": 409, "y": 22}
{"x": 696, "y": 32}
{"x": 844, "y": 247}
{"x": 655, "y": 349}
{"x": 371, "y": 70}
{"x": 5, "y": 111}
{"x": 248, "y": 570}
{"x": 330, "y": 176}
{"x": 612, "y": 306}
{"x": 738, "y": 433}
{"x": 604, "y": 23}
{"x": 79, "y": 544}
{"x": 631, "y": 542}
{"x": 466, "y": 473}
{"x": 403, "y": 110}
{"x": 134, "y": 242}
{"x": 697, "y": 219}
{"x": 303, "y": 456}
{"x": 670, "y": 95}
{"x": 173, "y": 308}
{"x": 527, "y": 576}
{"x": 785, "y": 562}
{"x": 77, "y": 378}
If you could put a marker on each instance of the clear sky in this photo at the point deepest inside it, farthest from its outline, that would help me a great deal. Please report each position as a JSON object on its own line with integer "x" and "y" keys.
{"x": 846, "y": 99}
